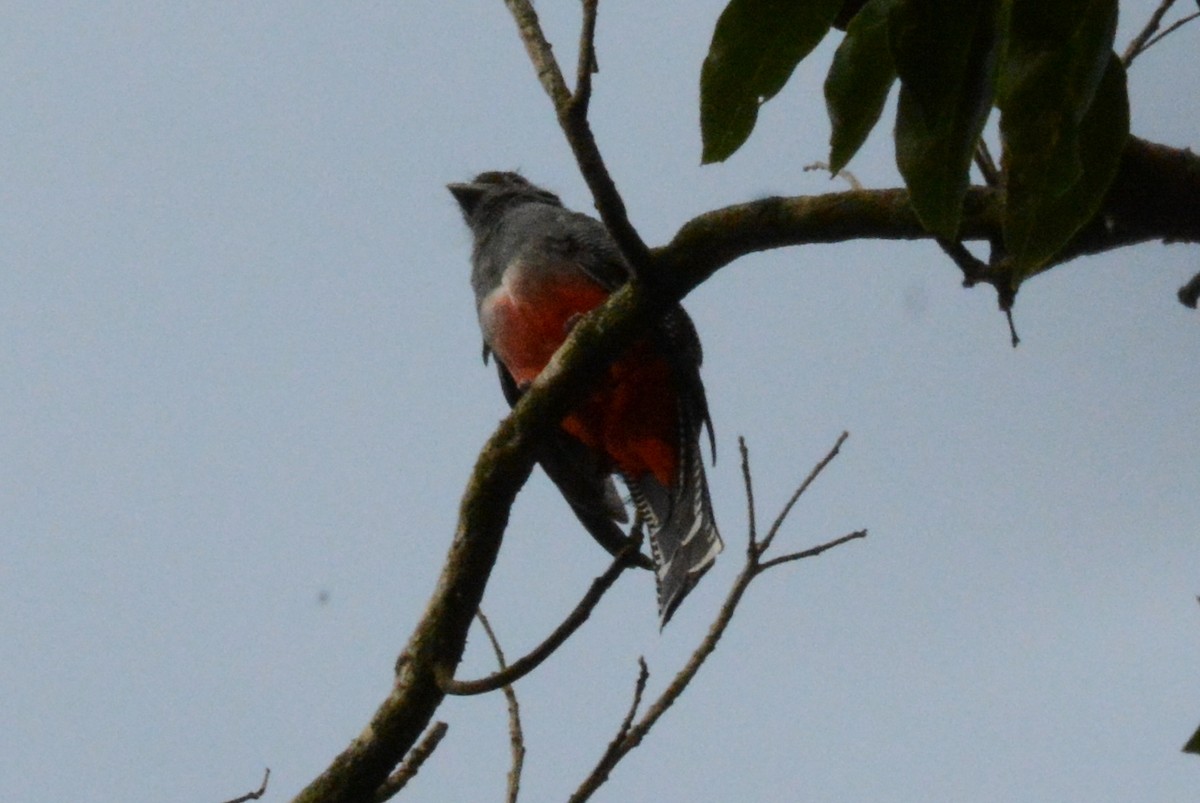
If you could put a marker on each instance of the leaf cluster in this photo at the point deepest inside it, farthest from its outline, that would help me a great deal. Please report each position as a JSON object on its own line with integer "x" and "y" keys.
{"x": 1046, "y": 66}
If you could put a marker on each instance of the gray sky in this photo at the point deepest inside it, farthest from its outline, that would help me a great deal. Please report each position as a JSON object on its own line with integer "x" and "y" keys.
{"x": 239, "y": 370}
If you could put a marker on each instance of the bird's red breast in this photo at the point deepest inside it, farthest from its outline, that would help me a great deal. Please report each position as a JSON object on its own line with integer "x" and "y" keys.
{"x": 632, "y": 415}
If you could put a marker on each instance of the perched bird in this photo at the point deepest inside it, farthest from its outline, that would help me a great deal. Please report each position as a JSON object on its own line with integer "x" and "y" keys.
{"x": 537, "y": 267}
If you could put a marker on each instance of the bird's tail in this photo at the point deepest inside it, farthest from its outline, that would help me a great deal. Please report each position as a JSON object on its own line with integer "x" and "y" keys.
{"x": 683, "y": 533}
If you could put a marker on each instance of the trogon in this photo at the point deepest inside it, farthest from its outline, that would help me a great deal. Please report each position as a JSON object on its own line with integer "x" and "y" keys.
{"x": 537, "y": 267}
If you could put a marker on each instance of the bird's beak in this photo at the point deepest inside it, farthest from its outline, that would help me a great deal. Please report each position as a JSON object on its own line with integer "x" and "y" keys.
{"x": 467, "y": 195}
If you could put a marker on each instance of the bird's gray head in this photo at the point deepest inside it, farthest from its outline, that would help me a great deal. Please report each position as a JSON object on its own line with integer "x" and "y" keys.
{"x": 490, "y": 193}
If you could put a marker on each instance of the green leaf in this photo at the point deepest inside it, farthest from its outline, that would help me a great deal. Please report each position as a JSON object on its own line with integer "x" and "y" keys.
{"x": 1039, "y": 220}
{"x": 755, "y": 47}
{"x": 859, "y": 79}
{"x": 1193, "y": 744}
{"x": 1056, "y": 55}
{"x": 846, "y": 13}
{"x": 946, "y": 54}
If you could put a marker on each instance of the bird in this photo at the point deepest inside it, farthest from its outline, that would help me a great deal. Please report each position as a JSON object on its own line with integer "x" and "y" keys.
{"x": 537, "y": 268}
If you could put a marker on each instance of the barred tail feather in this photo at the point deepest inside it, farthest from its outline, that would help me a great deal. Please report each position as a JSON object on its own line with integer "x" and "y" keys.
{"x": 683, "y": 533}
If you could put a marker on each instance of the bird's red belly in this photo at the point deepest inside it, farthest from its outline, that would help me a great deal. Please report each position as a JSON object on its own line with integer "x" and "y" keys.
{"x": 632, "y": 415}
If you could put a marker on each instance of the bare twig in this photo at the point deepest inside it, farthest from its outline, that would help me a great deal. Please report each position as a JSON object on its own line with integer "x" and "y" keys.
{"x": 527, "y": 663}
{"x": 812, "y": 475}
{"x": 516, "y": 738}
{"x": 639, "y": 688}
{"x": 1012, "y": 327}
{"x": 975, "y": 270}
{"x": 619, "y": 748}
{"x": 587, "y": 58}
{"x": 540, "y": 52}
{"x": 986, "y": 164}
{"x": 845, "y": 175}
{"x": 572, "y": 118}
{"x": 1153, "y": 197}
{"x": 412, "y": 762}
{"x": 752, "y": 524}
{"x": 811, "y": 552}
{"x": 1170, "y": 29}
{"x": 630, "y": 736}
{"x": 1139, "y": 43}
{"x": 257, "y": 793}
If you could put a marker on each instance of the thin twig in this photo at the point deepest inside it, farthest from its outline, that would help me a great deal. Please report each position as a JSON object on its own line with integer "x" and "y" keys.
{"x": 1138, "y": 45}
{"x": 412, "y": 762}
{"x": 811, "y": 552}
{"x": 639, "y": 688}
{"x": 986, "y": 164}
{"x": 257, "y": 793}
{"x": 618, "y": 749}
{"x": 1012, "y": 328}
{"x": 572, "y": 118}
{"x": 527, "y": 663}
{"x": 540, "y": 52}
{"x": 752, "y": 526}
{"x": 629, "y": 737}
{"x": 845, "y": 175}
{"x": 587, "y": 58}
{"x": 516, "y": 738}
{"x": 974, "y": 269}
{"x": 812, "y": 475}
{"x": 1170, "y": 29}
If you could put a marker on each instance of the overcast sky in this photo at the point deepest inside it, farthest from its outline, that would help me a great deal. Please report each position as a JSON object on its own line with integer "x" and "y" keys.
{"x": 240, "y": 394}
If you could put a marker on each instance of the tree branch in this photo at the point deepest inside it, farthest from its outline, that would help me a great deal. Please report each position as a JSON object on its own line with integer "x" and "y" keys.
{"x": 795, "y": 497}
{"x": 1138, "y": 44}
{"x": 612, "y": 753}
{"x": 412, "y": 763}
{"x": 751, "y": 518}
{"x": 1154, "y": 180}
{"x": 540, "y": 52}
{"x": 1155, "y": 196}
{"x": 257, "y": 793}
{"x": 975, "y": 270}
{"x": 630, "y": 736}
{"x": 811, "y": 552}
{"x": 571, "y": 111}
{"x": 504, "y": 464}
{"x": 526, "y": 664}
{"x": 516, "y": 738}
{"x": 1170, "y": 29}
{"x": 587, "y": 59}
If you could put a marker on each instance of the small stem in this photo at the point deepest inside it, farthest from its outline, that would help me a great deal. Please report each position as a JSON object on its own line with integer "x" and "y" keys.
{"x": 412, "y": 762}
{"x": 752, "y": 535}
{"x": 1139, "y": 43}
{"x": 526, "y": 664}
{"x": 516, "y": 737}
{"x": 812, "y": 475}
